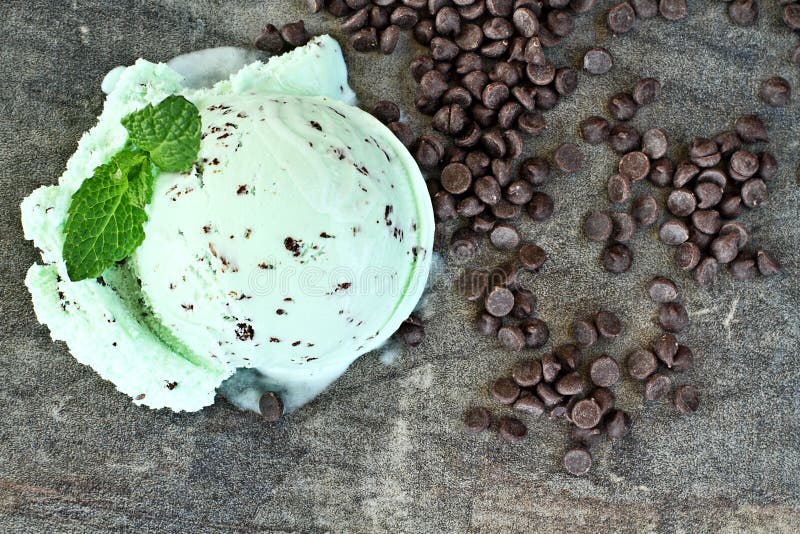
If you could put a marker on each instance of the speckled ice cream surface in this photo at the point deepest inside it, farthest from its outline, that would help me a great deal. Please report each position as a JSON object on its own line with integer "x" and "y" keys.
{"x": 300, "y": 241}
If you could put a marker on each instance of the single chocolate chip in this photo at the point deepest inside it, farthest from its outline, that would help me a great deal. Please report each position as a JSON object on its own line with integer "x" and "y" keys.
{"x": 365, "y": 40}
{"x": 655, "y": 143}
{"x": 767, "y": 166}
{"x": 705, "y": 274}
{"x": 672, "y": 317}
{"x": 730, "y": 206}
{"x": 623, "y": 227}
{"x": 270, "y": 40}
{"x": 494, "y": 144}
{"x": 597, "y": 61}
{"x": 704, "y": 152}
{"x": 487, "y": 324}
{"x": 412, "y": 331}
{"x": 483, "y": 223}
{"x": 597, "y": 226}
{"x": 662, "y": 290}
{"x": 608, "y": 324}
{"x": 571, "y": 384}
{"x": 683, "y": 359}
{"x": 618, "y": 424}
{"x": 338, "y": 8}
{"x": 422, "y": 65}
{"x": 681, "y": 202}
{"x": 604, "y": 371}
{"x": 386, "y": 111}
{"x": 560, "y": 23}
{"x": 499, "y": 301}
{"x": 295, "y": 33}
{"x": 271, "y": 406}
{"x": 646, "y": 91}
{"x": 488, "y": 190}
{"x": 767, "y": 265}
{"x": 665, "y": 348}
{"x": 494, "y": 95}
{"x": 775, "y": 92}
{"x": 477, "y": 420}
{"x": 744, "y": 164}
{"x": 508, "y": 114}
{"x": 708, "y": 194}
{"x": 620, "y": 18}
{"x": 540, "y": 208}
{"x": 504, "y": 237}
{"x": 566, "y": 81}
{"x": 532, "y": 257}
{"x": 605, "y": 399}
{"x": 536, "y": 332}
{"x": 526, "y": 22}
{"x": 586, "y": 413}
{"x": 500, "y": 8}
{"x": 661, "y": 172}
{"x": 501, "y": 168}
{"x": 444, "y": 206}
{"x": 622, "y": 106}
{"x": 569, "y": 355}
{"x": 743, "y": 12}
{"x": 586, "y": 436}
{"x": 619, "y": 189}
{"x": 546, "y": 98}
{"x": 551, "y": 366}
{"x": 754, "y": 192}
{"x": 456, "y": 178}
{"x": 498, "y": 28}
{"x": 624, "y": 138}
{"x": 725, "y": 248}
{"x": 389, "y": 38}
{"x": 433, "y": 84}
{"x": 684, "y": 173}
{"x": 511, "y": 338}
{"x": 687, "y": 399}
{"x": 478, "y": 163}
{"x": 751, "y": 129}
{"x": 641, "y": 364}
{"x": 471, "y": 10}
{"x": 464, "y": 243}
{"x": 423, "y": 32}
{"x": 794, "y": 55}
{"x": 549, "y": 396}
{"x": 403, "y": 132}
{"x": 535, "y": 170}
{"x": 673, "y": 9}
{"x": 634, "y": 166}
{"x": 707, "y": 221}
{"x": 743, "y": 267}
{"x": 645, "y": 9}
{"x": 577, "y": 461}
{"x": 512, "y": 429}
{"x": 356, "y": 21}
{"x": 595, "y": 130}
{"x": 568, "y": 158}
{"x": 532, "y": 123}
{"x": 506, "y": 210}
{"x": 540, "y": 74}
{"x": 645, "y": 210}
{"x": 530, "y": 404}
{"x": 505, "y": 390}
{"x": 519, "y": 192}
{"x": 315, "y": 5}
{"x": 527, "y": 373}
{"x": 673, "y": 232}
{"x": 791, "y": 16}
{"x": 470, "y": 206}
{"x": 584, "y": 332}
{"x": 657, "y": 387}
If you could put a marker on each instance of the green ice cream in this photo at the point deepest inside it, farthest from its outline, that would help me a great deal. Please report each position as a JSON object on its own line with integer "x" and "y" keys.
{"x": 300, "y": 240}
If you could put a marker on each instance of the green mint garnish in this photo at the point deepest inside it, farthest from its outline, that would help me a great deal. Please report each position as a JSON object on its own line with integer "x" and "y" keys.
{"x": 105, "y": 218}
{"x": 170, "y": 132}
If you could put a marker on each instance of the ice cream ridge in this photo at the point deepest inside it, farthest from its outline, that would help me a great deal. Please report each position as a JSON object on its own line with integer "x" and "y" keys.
{"x": 300, "y": 240}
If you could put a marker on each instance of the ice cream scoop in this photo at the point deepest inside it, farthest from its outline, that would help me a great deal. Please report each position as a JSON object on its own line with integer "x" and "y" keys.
{"x": 300, "y": 240}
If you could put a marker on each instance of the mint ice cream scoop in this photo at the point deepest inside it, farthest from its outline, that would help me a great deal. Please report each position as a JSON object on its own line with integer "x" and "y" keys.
{"x": 300, "y": 240}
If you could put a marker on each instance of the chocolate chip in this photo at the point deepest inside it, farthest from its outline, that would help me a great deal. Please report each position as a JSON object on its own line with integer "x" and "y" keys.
{"x": 386, "y": 111}
{"x": 646, "y": 91}
{"x": 725, "y": 248}
{"x": 483, "y": 223}
{"x": 560, "y": 23}
{"x": 597, "y": 61}
{"x": 295, "y": 33}
{"x": 379, "y": 18}
{"x": 641, "y": 364}
{"x": 456, "y": 178}
{"x": 498, "y": 28}
{"x": 687, "y": 399}
{"x": 271, "y": 406}
{"x": 634, "y": 166}
{"x": 356, "y": 21}
{"x": 571, "y": 384}
{"x": 673, "y": 232}
{"x": 569, "y": 355}
{"x": 624, "y": 138}
{"x": 443, "y": 49}
{"x": 622, "y": 106}
{"x": 657, "y": 387}
{"x": 705, "y": 274}
{"x": 608, "y": 324}
{"x": 751, "y": 129}
{"x": 494, "y": 144}
{"x": 577, "y": 461}
{"x": 270, "y": 40}
{"x": 743, "y": 12}
{"x": 471, "y": 10}
{"x": 506, "y": 210}
{"x": 540, "y": 208}
{"x": 730, "y": 206}
{"x": 586, "y": 413}
{"x": 527, "y": 373}
{"x": 708, "y": 194}
{"x": 619, "y": 189}
{"x": 511, "y": 338}
{"x": 505, "y": 390}
{"x": 541, "y": 74}
{"x": 501, "y": 169}
{"x": 429, "y": 151}
{"x": 775, "y": 92}
{"x": 512, "y": 429}
{"x": 551, "y": 366}
{"x": 499, "y": 301}
{"x": 549, "y": 397}
{"x": 645, "y": 210}
{"x": 566, "y": 81}
{"x": 665, "y": 348}
{"x": 494, "y": 95}
{"x": 535, "y": 170}
{"x": 683, "y": 359}
{"x": 618, "y": 424}
{"x": 584, "y": 332}
{"x": 595, "y": 130}
{"x": 681, "y": 203}
{"x": 477, "y": 420}
{"x": 754, "y": 192}
{"x": 519, "y": 192}
{"x": 365, "y": 40}
{"x": 568, "y": 158}
{"x": 623, "y": 227}
{"x": 389, "y": 39}
{"x": 488, "y": 190}
{"x": 586, "y": 436}
{"x": 529, "y": 404}
{"x": 673, "y": 9}
{"x": 605, "y": 399}
{"x": 655, "y": 143}
{"x": 536, "y": 332}
{"x": 767, "y": 265}
{"x": 597, "y": 226}
{"x": 662, "y": 290}
{"x": 504, "y": 237}
{"x": 444, "y": 206}
{"x": 707, "y": 221}
{"x": 532, "y": 257}
{"x": 620, "y": 18}
{"x": 604, "y": 371}
{"x": 526, "y": 22}
{"x": 672, "y": 317}
{"x": 470, "y": 206}
{"x": 532, "y": 123}
{"x": 487, "y": 324}
{"x": 464, "y": 243}
{"x": 507, "y": 116}
{"x": 645, "y": 9}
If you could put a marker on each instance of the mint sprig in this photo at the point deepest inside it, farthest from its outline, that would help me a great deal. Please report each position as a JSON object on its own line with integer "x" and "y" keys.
{"x": 106, "y": 216}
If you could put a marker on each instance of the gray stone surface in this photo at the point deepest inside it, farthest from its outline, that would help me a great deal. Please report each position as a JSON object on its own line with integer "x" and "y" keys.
{"x": 383, "y": 449}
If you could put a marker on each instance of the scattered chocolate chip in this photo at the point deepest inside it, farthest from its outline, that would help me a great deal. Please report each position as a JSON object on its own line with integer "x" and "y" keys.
{"x": 622, "y": 106}
{"x": 641, "y": 364}
{"x": 295, "y": 33}
{"x": 620, "y": 18}
{"x": 619, "y": 189}
{"x": 624, "y": 138}
{"x": 536, "y": 333}
{"x": 604, "y": 371}
{"x": 568, "y": 158}
{"x": 683, "y": 359}
{"x": 477, "y": 419}
{"x": 623, "y": 227}
{"x": 271, "y": 406}
{"x": 705, "y": 274}
{"x": 597, "y": 61}
{"x": 751, "y": 129}
{"x": 487, "y": 324}
{"x": 743, "y": 12}
{"x": 551, "y": 366}
{"x": 775, "y": 92}
{"x": 270, "y": 40}
{"x": 645, "y": 210}
{"x": 634, "y": 166}
{"x": 618, "y": 424}
{"x": 499, "y": 301}
{"x": 512, "y": 429}
{"x": 687, "y": 399}
{"x": 577, "y": 461}
{"x": 597, "y": 226}
{"x": 662, "y": 290}
{"x": 673, "y": 9}
{"x": 540, "y": 208}
{"x": 608, "y": 324}
{"x": 673, "y": 232}
{"x": 571, "y": 384}
{"x": 584, "y": 332}
{"x": 549, "y": 397}
{"x": 646, "y": 91}
{"x": 657, "y": 387}
{"x": 672, "y": 317}
{"x": 767, "y": 265}
{"x": 586, "y": 413}
{"x": 524, "y": 304}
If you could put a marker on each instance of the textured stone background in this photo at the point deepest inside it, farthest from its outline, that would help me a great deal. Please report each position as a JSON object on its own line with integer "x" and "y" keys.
{"x": 383, "y": 450}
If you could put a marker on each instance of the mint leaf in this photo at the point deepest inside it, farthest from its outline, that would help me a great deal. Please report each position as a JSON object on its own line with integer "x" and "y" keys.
{"x": 104, "y": 223}
{"x": 169, "y": 131}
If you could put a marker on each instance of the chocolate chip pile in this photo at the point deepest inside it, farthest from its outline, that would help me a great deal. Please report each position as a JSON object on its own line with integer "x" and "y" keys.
{"x": 276, "y": 41}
